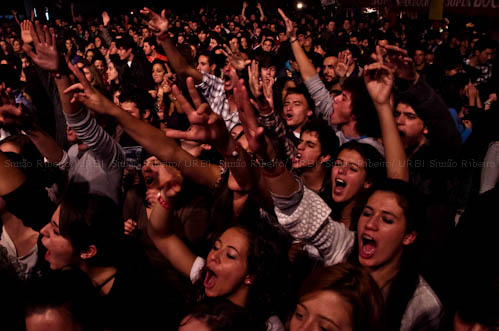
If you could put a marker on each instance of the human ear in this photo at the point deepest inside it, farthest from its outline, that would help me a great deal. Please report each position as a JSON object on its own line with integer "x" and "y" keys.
{"x": 409, "y": 238}
{"x": 147, "y": 113}
{"x": 325, "y": 158}
{"x": 248, "y": 280}
{"x": 89, "y": 253}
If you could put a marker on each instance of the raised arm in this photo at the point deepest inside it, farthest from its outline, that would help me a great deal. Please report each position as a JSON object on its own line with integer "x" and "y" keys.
{"x": 159, "y": 227}
{"x": 159, "y": 26}
{"x": 307, "y": 69}
{"x": 149, "y": 137}
{"x": 260, "y": 9}
{"x": 379, "y": 80}
{"x": 243, "y": 14}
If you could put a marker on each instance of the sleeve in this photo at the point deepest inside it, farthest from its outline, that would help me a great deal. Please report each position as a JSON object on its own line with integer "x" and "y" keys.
{"x": 212, "y": 88}
{"x": 102, "y": 145}
{"x": 305, "y": 216}
{"x": 490, "y": 169}
{"x": 197, "y": 266}
{"x": 273, "y": 123}
{"x": 30, "y": 203}
{"x": 322, "y": 98}
{"x": 106, "y": 36}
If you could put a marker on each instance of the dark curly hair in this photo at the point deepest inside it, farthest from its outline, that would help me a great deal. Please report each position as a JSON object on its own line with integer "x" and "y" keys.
{"x": 268, "y": 264}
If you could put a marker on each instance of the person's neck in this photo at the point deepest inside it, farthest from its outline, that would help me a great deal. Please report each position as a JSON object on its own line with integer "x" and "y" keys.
{"x": 130, "y": 57}
{"x": 350, "y": 130}
{"x": 383, "y": 275}
{"x": 240, "y": 296}
{"x": 410, "y": 151}
{"x": 346, "y": 214}
{"x": 307, "y": 48}
{"x": 314, "y": 177}
{"x": 82, "y": 146}
{"x": 154, "y": 54}
{"x": 99, "y": 275}
{"x": 420, "y": 67}
{"x": 239, "y": 201}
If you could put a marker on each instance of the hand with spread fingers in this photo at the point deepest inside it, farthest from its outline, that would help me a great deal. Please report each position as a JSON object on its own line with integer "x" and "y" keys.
{"x": 253, "y": 132}
{"x": 46, "y": 56}
{"x": 158, "y": 24}
{"x": 86, "y": 94}
{"x": 105, "y": 18}
{"x": 379, "y": 79}
{"x": 397, "y": 59}
{"x": 344, "y": 63}
{"x": 11, "y": 113}
{"x": 25, "y": 32}
{"x": 290, "y": 29}
{"x": 206, "y": 126}
{"x": 236, "y": 59}
{"x": 254, "y": 79}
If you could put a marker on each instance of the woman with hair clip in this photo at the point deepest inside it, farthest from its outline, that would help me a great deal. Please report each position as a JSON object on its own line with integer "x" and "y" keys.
{"x": 386, "y": 228}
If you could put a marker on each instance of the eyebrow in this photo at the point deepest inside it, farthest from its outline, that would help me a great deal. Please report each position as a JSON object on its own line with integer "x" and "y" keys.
{"x": 382, "y": 212}
{"x": 321, "y": 316}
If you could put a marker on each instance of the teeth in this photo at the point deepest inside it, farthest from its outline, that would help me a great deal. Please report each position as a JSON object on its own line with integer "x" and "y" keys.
{"x": 365, "y": 236}
{"x": 298, "y": 156}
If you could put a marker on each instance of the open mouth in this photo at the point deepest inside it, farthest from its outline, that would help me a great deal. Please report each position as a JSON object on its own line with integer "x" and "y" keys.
{"x": 297, "y": 157}
{"x": 367, "y": 246}
{"x": 339, "y": 186}
{"x": 210, "y": 279}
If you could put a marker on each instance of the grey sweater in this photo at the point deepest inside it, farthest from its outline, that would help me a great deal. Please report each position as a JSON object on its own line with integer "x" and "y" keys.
{"x": 306, "y": 217}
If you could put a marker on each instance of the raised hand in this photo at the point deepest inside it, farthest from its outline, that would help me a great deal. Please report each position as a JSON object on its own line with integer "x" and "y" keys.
{"x": 86, "y": 94}
{"x": 343, "y": 63}
{"x": 254, "y": 79}
{"x": 236, "y": 59}
{"x": 130, "y": 226}
{"x": 170, "y": 181}
{"x": 379, "y": 79}
{"x": 253, "y": 132}
{"x": 25, "y": 32}
{"x": 268, "y": 91}
{"x": 46, "y": 56}
{"x": 245, "y": 4}
{"x": 158, "y": 24}
{"x": 206, "y": 126}
{"x": 402, "y": 65}
{"x": 105, "y": 18}
{"x": 290, "y": 29}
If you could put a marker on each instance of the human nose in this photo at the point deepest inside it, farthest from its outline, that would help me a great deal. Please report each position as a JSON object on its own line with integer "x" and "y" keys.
{"x": 45, "y": 230}
{"x": 372, "y": 223}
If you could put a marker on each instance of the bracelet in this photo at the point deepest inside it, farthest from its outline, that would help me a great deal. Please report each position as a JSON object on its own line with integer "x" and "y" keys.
{"x": 163, "y": 203}
{"x": 292, "y": 41}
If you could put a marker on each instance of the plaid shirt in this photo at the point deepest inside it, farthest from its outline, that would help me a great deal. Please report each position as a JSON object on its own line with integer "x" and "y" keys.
{"x": 273, "y": 123}
{"x": 212, "y": 88}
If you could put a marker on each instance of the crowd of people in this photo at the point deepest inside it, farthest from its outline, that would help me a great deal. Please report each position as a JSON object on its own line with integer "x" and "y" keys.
{"x": 248, "y": 171}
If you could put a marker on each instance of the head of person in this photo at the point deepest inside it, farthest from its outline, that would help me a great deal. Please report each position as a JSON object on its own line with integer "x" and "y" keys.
{"x": 331, "y": 26}
{"x": 100, "y": 64}
{"x": 298, "y": 107}
{"x": 158, "y": 71}
{"x": 267, "y": 67}
{"x": 268, "y": 45}
{"x": 206, "y": 63}
{"x": 355, "y": 104}
{"x": 125, "y": 46}
{"x": 328, "y": 67}
{"x": 339, "y": 297}
{"x": 356, "y": 168}
{"x": 138, "y": 103}
{"x": 85, "y": 230}
{"x": 92, "y": 75}
{"x": 116, "y": 69}
{"x": 388, "y": 224}
{"x": 411, "y": 127}
{"x": 318, "y": 146}
{"x": 246, "y": 266}
{"x": 150, "y": 46}
{"x": 217, "y": 314}
{"x": 61, "y": 300}
{"x": 483, "y": 50}
{"x": 419, "y": 55}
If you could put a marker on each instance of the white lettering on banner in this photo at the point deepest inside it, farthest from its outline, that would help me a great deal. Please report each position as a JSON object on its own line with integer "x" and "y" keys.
{"x": 477, "y": 3}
